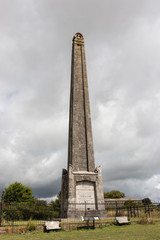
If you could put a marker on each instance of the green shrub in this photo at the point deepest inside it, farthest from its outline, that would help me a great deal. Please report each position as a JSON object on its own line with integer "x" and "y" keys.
{"x": 30, "y": 226}
{"x": 101, "y": 226}
{"x": 145, "y": 220}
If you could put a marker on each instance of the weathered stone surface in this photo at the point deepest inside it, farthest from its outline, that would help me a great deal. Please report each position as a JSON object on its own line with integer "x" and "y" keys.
{"x": 85, "y": 192}
{"x": 80, "y": 153}
{"x": 122, "y": 220}
{"x": 82, "y": 187}
{"x": 52, "y": 225}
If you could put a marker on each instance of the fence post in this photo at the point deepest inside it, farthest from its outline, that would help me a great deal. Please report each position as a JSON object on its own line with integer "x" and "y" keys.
{"x": 85, "y": 209}
{"x": 1, "y": 213}
{"x": 137, "y": 212}
{"x": 128, "y": 211}
{"x": 149, "y": 213}
{"x": 116, "y": 210}
{"x": 134, "y": 211}
{"x": 2, "y": 201}
{"x": 145, "y": 209}
{"x": 131, "y": 211}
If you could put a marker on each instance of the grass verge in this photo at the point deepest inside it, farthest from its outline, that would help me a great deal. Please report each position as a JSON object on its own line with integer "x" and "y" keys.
{"x": 112, "y": 232}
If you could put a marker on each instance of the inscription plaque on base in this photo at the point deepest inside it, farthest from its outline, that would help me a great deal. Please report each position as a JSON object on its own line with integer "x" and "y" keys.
{"x": 85, "y": 194}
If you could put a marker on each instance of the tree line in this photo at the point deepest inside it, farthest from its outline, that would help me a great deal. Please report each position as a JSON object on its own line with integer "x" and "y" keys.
{"x": 19, "y": 200}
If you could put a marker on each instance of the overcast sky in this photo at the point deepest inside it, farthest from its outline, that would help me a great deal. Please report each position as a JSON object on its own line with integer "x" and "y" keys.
{"x": 122, "y": 43}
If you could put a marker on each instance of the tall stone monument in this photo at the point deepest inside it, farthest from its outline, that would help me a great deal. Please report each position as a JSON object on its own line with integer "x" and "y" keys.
{"x": 82, "y": 188}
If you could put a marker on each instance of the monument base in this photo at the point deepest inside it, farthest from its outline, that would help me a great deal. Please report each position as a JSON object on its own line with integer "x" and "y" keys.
{"x": 82, "y": 194}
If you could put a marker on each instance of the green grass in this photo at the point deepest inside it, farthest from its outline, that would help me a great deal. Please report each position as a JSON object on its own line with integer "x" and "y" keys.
{"x": 112, "y": 232}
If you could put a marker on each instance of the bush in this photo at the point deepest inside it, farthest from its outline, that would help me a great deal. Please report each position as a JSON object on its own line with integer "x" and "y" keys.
{"x": 24, "y": 211}
{"x": 145, "y": 220}
{"x": 146, "y": 201}
{"x": 114, "y": 194}
{"x": 30, "y": 226}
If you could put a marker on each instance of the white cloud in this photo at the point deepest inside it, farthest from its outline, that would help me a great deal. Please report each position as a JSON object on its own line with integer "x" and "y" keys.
{"x": 137, "y": 187}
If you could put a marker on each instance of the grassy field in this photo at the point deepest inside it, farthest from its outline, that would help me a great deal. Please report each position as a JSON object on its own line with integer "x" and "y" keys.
{"x": 112, "y": 232}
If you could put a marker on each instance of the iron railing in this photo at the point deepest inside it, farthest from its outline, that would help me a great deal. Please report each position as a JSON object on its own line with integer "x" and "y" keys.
{"x": 20, "y": 213}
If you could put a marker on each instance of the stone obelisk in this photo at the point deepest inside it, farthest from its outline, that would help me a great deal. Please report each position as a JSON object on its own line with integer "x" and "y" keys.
{"x": 82, "y": 189}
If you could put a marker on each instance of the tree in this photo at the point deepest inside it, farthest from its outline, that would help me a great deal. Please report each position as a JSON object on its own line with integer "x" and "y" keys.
{"x": 146, "y": 201}
{"x": 114, "y": 194}
{"x": 17, "y": 192}
{"x": 56, "y": 205}
{"x": 130, "y": 203}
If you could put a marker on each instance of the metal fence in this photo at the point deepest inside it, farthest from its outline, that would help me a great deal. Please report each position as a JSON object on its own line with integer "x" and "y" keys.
{"x": 20, "y": 213}
{"x": 130, "y": 211}
{"x": 136, "y": 211}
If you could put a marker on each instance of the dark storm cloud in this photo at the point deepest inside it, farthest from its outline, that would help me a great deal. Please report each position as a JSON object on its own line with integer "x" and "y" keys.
{"x": 122, "y": 42}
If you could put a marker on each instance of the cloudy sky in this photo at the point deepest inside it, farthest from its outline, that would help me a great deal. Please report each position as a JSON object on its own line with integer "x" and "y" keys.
{"x": 122, "y": 42}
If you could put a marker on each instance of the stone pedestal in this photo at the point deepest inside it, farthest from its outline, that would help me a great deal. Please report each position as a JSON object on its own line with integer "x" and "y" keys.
{"x": 82, "y": 194}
